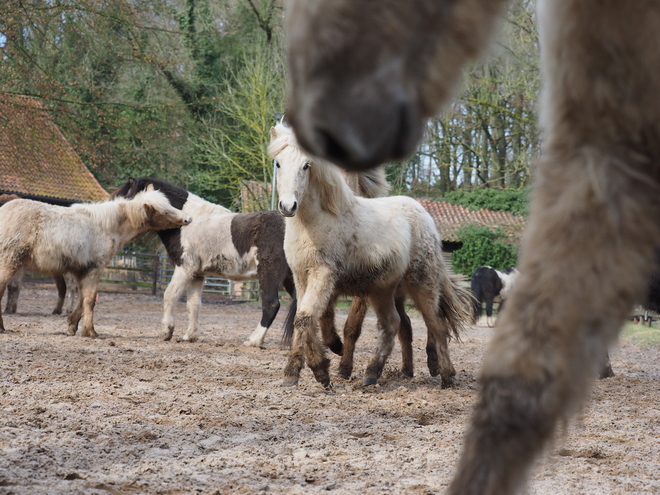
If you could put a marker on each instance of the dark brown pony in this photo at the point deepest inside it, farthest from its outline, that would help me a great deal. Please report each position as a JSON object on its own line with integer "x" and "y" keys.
{"x": 364, "y": 76}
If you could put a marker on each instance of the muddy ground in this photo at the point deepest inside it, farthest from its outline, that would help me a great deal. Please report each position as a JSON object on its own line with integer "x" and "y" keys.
{"x": 128, "y": 413}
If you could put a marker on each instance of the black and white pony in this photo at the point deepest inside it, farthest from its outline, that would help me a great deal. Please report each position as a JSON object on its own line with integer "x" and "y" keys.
{"x": 491, "y": 285}
{"x": 236, "y": 246}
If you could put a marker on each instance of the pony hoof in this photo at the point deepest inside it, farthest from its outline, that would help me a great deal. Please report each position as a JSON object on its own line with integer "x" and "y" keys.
{"x": 290, "y": 382}
{"x": 251, "y": 343}
{"x": 434, "y": 372}
{"x": 57, "y": 312}
{"x": 408, "y": 373}
{"x": 368, "y": 382}
{"x": 344, "y": 376}
{"x": 447, "y": 383}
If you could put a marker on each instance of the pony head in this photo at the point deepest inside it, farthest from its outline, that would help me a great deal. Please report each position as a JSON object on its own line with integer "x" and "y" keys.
{"x": 293, "y": 169}
{"x": 297, "y": 173}
{"x": 156, "y": 211}
{"x": 176, "y": 195}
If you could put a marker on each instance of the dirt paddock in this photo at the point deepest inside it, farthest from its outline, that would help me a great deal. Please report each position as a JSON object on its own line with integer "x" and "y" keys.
{"x": 129, "y": 414}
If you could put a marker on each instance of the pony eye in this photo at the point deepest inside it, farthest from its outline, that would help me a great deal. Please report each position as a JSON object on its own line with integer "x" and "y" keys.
{"x": 306, "y": 166}
{"x": 277, "y": 164}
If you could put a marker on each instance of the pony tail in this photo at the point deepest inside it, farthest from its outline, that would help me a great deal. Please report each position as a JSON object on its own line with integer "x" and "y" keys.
{"x": 456, "y": 306}
{"x": 287, "y": 328}
{"x": 373, "y": 183}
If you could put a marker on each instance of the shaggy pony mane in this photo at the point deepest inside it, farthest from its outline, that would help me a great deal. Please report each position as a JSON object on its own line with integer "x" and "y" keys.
{"x": 108, "y": 214}
{"x": 336, "y": 187}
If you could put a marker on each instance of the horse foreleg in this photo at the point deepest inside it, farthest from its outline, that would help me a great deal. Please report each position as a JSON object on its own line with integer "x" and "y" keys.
{"x": 6, "y": 275}
{"x": 314, "y": 299}
{"x": 584, "y": 262}
{"x": 60, "y": 284}
{"x": 352, "y": 332}
{"x": 178, "y": 282}
{"x": 270, "y": 305}
{"x": 388, "y": 325}
{"x": 13, "y": 291}
{"x": 72, "y": 290}
{"x": 328, "y": 330}
{"x": 74, "y": 317}
{"x": 193, "y": 304}
{"x": 405, "y": 336}
{"x": 88, "y": 290}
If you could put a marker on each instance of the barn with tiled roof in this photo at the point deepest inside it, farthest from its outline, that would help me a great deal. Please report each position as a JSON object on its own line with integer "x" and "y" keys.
{"x": 36, "y": 160}
{"x": 449, "y": 218}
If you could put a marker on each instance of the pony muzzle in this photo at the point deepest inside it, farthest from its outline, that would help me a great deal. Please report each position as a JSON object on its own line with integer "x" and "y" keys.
{"x": 288, "y": 208}
{"x": 187, "y": 219}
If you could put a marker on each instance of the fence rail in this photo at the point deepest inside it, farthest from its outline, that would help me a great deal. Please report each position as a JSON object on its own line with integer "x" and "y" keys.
{"x": 154, "y": 271}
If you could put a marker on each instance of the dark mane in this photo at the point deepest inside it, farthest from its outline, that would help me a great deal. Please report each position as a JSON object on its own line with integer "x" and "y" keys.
{"x": 177, "y": 196}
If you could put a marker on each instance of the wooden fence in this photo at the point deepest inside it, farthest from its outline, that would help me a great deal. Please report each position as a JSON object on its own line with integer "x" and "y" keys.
{"x": 154, "y": 272}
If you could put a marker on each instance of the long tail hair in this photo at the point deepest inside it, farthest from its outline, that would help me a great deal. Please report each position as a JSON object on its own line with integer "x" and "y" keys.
{"x": 456, "y": 306}
{"x": 287, "y": 328}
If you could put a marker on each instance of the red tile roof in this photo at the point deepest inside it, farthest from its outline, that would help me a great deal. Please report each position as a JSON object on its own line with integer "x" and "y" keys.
{"x": 449, "y": 218}
{"x": 35, "y": 157}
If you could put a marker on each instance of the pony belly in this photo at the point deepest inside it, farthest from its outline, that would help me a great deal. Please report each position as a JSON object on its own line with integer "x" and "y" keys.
{"x": 236, "y": 268}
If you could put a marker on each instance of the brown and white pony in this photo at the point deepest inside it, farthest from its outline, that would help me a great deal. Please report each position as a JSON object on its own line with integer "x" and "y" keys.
{"x": 363, "y": 77}
{"x": 14, "y": 286}
{"x": 80, "y": 239}
{"x": 338, "y": 243}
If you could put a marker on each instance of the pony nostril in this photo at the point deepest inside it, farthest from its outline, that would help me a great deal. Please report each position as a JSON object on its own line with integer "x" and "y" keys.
{"x": 281, "y": 206}
{"x": 295, "y": 206}
{"x": 332, "y": 147}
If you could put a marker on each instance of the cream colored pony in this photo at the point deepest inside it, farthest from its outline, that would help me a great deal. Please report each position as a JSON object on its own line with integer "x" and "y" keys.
{"x": 365, "y": 74}
{"x": 80, "y": 239}
{"x": 339, "y": 243}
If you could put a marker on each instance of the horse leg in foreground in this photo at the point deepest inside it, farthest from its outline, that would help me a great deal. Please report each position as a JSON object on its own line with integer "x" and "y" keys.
{"x": 270, "y": 304}
{"x": 314, "y": 300}
{"x": 388, "y": 323}
{"x": 178, "y": 283}
{"x": 328, "y": 332}
{"x": 7, "y": 272}
{"x": 553, "y": 334}
{"x": 87, "y": 286}
{"x": 13, "y": 291}
{"x": 352, "y": 331}
{"x": 591, "y": 236}
{"x": 193, "y": 304}
{"x": 60, "y": 284}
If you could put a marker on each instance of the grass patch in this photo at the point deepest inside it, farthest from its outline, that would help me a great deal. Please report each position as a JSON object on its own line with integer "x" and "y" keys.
{"x": 640, "y": 334}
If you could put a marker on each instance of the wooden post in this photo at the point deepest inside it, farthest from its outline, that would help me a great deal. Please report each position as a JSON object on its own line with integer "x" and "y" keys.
{"x": 154, "y": 287}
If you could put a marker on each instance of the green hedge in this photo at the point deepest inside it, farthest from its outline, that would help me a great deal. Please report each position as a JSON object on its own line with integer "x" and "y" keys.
{"x": 483, "y": 246}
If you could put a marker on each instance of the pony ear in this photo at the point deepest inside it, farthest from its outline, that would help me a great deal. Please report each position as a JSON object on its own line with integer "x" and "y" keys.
{"x": 149, "y": 209}
{"x": 150, "y": 187}
{"x": 273, "y": 133}
{"x": 131, "y": 180}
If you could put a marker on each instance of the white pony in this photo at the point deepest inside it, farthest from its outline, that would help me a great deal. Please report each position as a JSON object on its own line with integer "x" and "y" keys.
{"x": 80, "y": 239}
{"x": 339, "y": 243}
